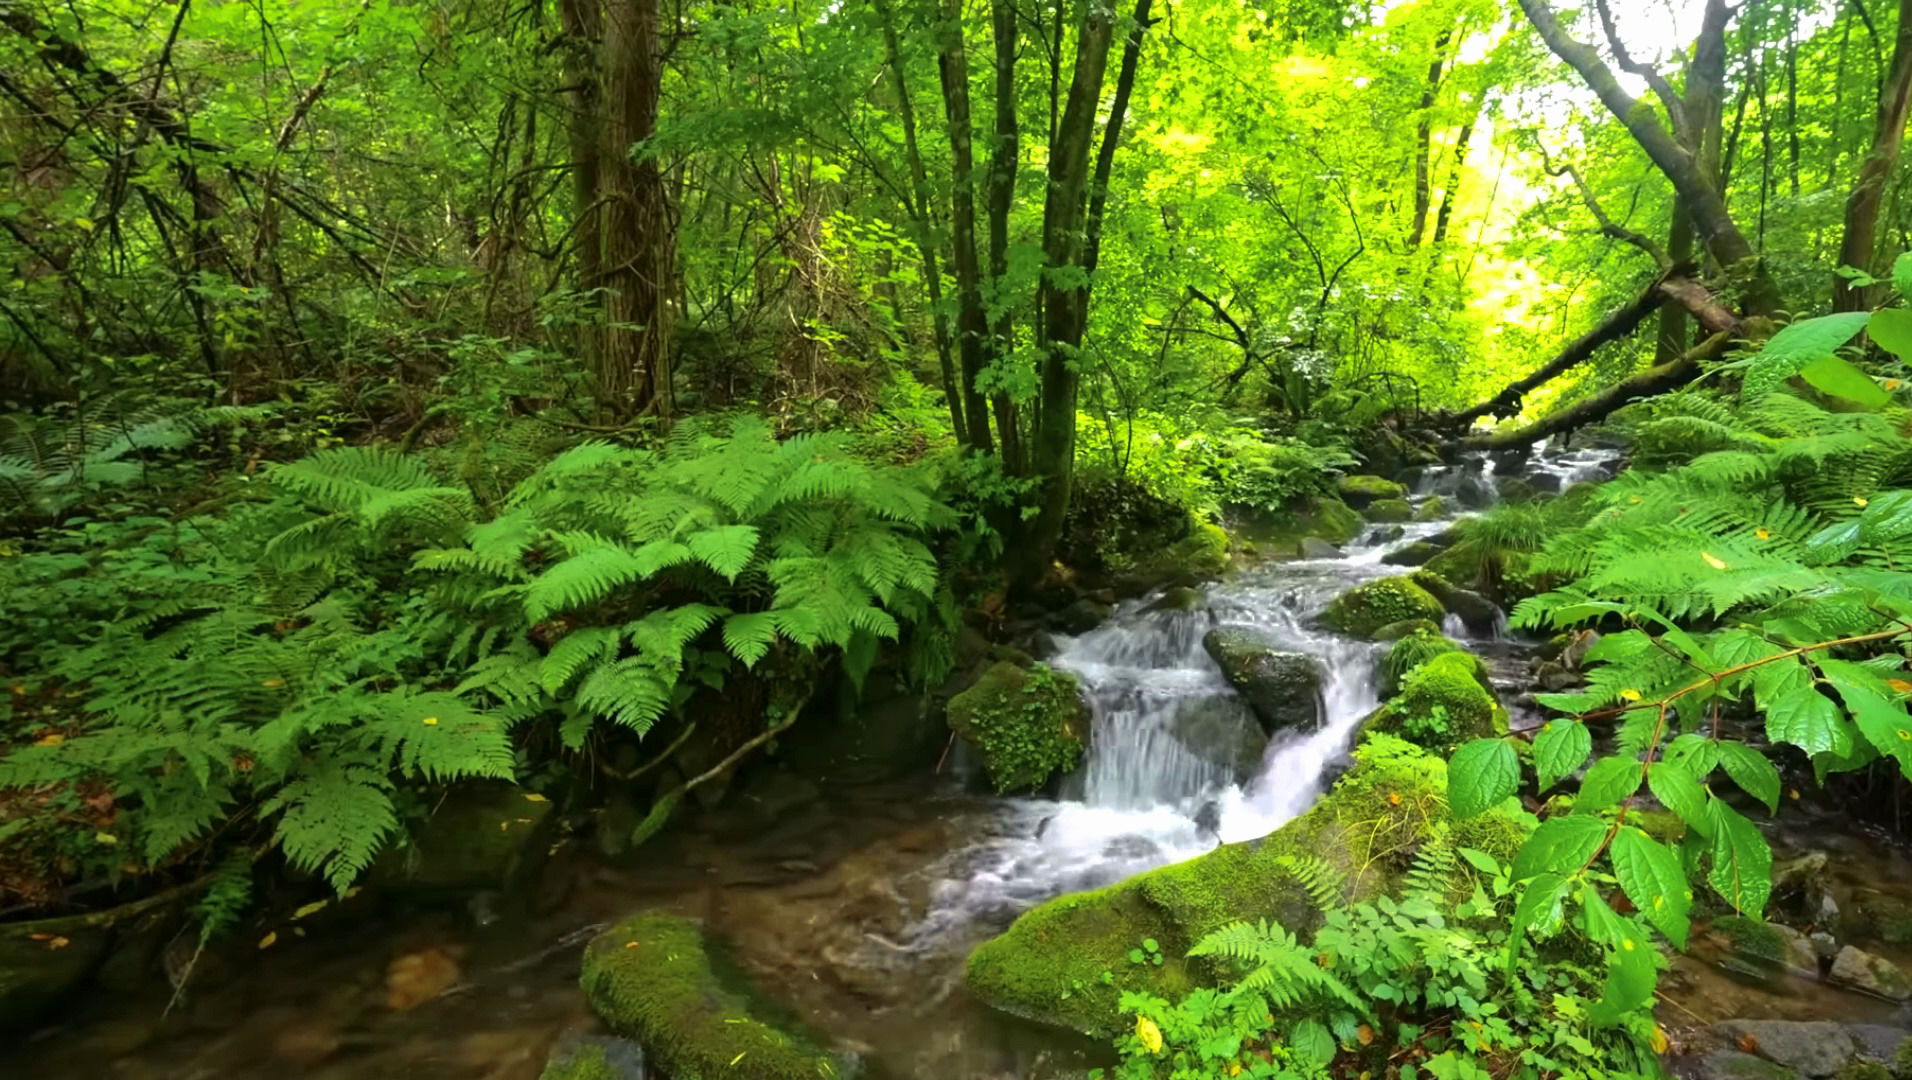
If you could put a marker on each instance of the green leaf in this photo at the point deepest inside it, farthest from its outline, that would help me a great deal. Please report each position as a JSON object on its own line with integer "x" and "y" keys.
{"x": 1479, "y": 860}
{"x": 1679, "y": 792}
{"x": 1561, "y": 845}
{"x": 1836, "y": 376}
{"x": 1482, "y": 773}
{"x": 1694, "y": 755}
{"x": 1752, "y": 772}
{"x": 1538, "y": 909}
{"x": 1883, "y": 721}
{"x": 1630, "y": 969}
{"x": 1807, "y": 719}
{"x": 1651, "y": 875}
{"x": 1891, "y": 328}
{"x": 726, "y": 549}
{"x": 1560, "y": 748}
{"x": 1311, "y": 1039}
{"x": 1797, "y": 345}
{"x": 1902, "y": 274}
{"x": 1887, "y": 517}
{"x": 1742, "y": 863}
{"x": 1607, "y": 782}
{"x": 748, "y": 637}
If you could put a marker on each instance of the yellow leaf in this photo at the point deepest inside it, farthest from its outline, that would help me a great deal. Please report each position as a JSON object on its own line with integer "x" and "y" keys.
{"x": 430, "y": 720}
{"x": 1659, "y": 1040}
{"x": 504, "y": 826}
{"x": 1763, "y": 534}
{"x": 266, "y": 942}
{"x": 316, "y": 905}
{"x": 1364, "y": 1035}
{"x": 738, "y": 1058}
{"x": 1858, "y": 500}
{"x": 49, "y": 740}
{"x": 1394, "y": 798}
{"x": 1712, "y": 561}
{"x": 1630, "y": 694}
{"x": 273, "y": 683}
{"x": 535, "y": 797}
{"x": 1150, "y": 1035}
{"x": 1234, "y": 1070}
{"x": 106, "y": 838}
{"x": 1899, "y": 686}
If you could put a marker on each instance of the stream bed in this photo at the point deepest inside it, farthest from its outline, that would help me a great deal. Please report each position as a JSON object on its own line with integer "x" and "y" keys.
{"x": 858, "y": 909}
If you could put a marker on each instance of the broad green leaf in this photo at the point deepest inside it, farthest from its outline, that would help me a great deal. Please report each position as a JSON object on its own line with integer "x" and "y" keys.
{"x": 1695, "y": 755}
{"x": 1311, "y": 1039}
{"x": 1559, "y": 749}
{"x": 1679, "y": 792}
{"x": 1479, "y": 860}
{"x": 1836, "y": 376}
{"x": 1752, "y": 772}
{"x": 1887, "y": 517}
{"x": 1561, "y": 845}
{"x": 1891, "y": 328}
{"x": 1607, "y": 782}
{"x": 1539, "y": 910}
{"x": 1807, "y": 719}
{"x": 1882, "y": 720}
{"x": 1775, "y": 680}
{"x": 1482, "y": 773}
{"x": 1796, "y": 346}
{"x": 1902, "y": 274}
{"x": 1742, "y": 862}
{"x": 1651, "y": 875}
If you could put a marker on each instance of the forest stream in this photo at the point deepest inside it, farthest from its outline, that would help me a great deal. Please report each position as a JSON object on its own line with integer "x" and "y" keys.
{"x": 856, "y": 910}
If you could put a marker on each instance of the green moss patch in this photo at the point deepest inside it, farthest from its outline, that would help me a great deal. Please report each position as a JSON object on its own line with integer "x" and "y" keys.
{"x": 1067, "y": 961}
{"x": 652, "y": 978}
{"x": 1362, "y": 490}
{"x": 1444, "y": 702}
{"x": 1389, "y": 510}
{"x": 1365, "y": 609}
{"x": 1027, "y": 723}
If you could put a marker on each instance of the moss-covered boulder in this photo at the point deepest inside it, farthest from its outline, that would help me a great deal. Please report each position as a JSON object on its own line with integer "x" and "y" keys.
{"x": 656, "y": 979}
{"x": 1049, "y": 966}
{"x": 1359, "y": 491}
{"x": 594, "y": 1057}
{"x": 1388, "y": 511}
{"x": 1395, "y": 631}
{"x": 1364, "y": 609}
{"x": 1434, "y": 509}
{"x": 1203, "y": 553}
{"x": 1284, "y": 688}
{"x": 1028, "y": 724}
{"x": 1422, "y": 643}
{"x": 1475, "y": 611}
{"x": 1444, "y": 702}
{"x": 1418, "y": 553}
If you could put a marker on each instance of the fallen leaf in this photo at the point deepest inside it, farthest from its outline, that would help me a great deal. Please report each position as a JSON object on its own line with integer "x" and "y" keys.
{"x": 1749, "y": 1043}
{"x": 1364, "y": 1035}
{"x": 1858, "y": 500}
{"x": 1899, "y": 686}
{"x": 535, "y": 797}
{"x": 418, "y": 977}
{"x": 266, "y": 942}
{"x": 431, "y": 720}
{"x": 1763, "y": 534}
{"x": 49, "y": 740}
{"x": 314, "y": 906}
{"x": 1150, "y": 1035}
{"x": 1630, "y": 694}
{"x": 57, "y": 942}
{"x": 1713, "y": 561}
{"x": 106, "y": 838}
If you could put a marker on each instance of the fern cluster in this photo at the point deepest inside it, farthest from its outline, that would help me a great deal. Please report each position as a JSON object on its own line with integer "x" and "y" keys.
{"x": 367, "y": 625}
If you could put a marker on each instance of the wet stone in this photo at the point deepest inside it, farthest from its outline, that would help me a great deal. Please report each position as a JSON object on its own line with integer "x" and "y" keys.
{"x": 1814, "y": 1047}
{"x": 1733, "y": 1065}
{"x": 1875, "y": 975}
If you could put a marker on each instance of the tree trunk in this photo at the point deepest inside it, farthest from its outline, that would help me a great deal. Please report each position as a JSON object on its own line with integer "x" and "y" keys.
{"x": 1655, "y": 380}
{"x": 920, "y": 217}
{"x": 1064, "y": 290}
{"x": 582, "y": 29}
{"x": 1614, "y": 327}
{"x": 1423, "y": 142}
{"x": 1003, "y": 161}
{"x": 634, "y": 375}
{"x": 1858, "y": 247}
{"x": 952, "y": 63}
{"x": 1449, "y": 196}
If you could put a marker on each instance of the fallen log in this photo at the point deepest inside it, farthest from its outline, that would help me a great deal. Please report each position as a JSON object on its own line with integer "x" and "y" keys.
{"x": 1615, "y": 326}
{"x": 1671, "y": 375}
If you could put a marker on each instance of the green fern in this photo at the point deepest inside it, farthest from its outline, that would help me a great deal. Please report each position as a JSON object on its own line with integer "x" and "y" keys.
{"x": 1280, "y": 970}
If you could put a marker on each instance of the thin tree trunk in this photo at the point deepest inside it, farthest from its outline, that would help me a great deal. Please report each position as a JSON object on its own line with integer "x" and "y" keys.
{"x": 1614, "y": 327}
{"x": 1003, "y": 162}
{"x": 1858, "y": 246}
{"x": 1451, "y": 195}
{"x": 1792, "y": 102}
{"x": 952, "y": 63}
{"x": 634, "y": 373}
{"x": 1423, "y": 142}
{"x": 1670, "y": 341}
{"x": 582, "y": 30}
{"x": 920, "y": 217}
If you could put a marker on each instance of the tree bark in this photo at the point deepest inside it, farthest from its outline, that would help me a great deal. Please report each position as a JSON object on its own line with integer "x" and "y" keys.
{"x": 920, "y": 217}
{"x": 634, "y": 375}
{"x": 952, "y": 63}
{"x": 1615, "y": 326}
{"x": 1449, "y": 196}
{"x": 1858, "y": 246}
{"x": 583, "y": 28}
{"x": 1655, "y": 380}
{"x": 1003, "y": 161}
{"x": 1423, "y": 142}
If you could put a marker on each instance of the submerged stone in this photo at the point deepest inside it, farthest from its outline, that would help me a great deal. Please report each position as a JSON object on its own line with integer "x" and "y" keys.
{"x": 1223, "y": 733}
{"x": 1028, "y": 723}
{"x": 1049, "y": 965}
{"x": 484, "y": 836}
{"x": 1814, "y": 1047}
{"x": 1734, "y": 1065}
{"x": 594, "y": 1057}
{"x": 1858, "y": 968}
{"x": 1364, "y": 609}
{"x": 1475, "y": 611}
{"x": 1419, "y": 553}
{"x": 653, "y": 978}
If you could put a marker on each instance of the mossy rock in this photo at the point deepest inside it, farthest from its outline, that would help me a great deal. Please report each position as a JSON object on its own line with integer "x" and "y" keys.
{"x": 1411, "y": 650}
{"x": 1474, "y": 610}
{"x": 1359, "y": 491}
{"x": 1028, "y": 723}
{"x": 594, "y": 1057}
{"x": 1446, "y": 701}
{"x": 1050, "y": 965}
{"x": 1753, "y": 942}
{"x": 1395, "y": 631}
{"x": 1365, "y": 609}
{"x": 1204, "y": 553}
{"x": 1418, "y": 553}
{"x": 1388, "y": 511}
{"x": 1328, "y": 520}
{"x": 1434, "y": 509}
{"x": 483, "y": 836}
{"x": 654, "y": 978}
{"x": 1458, "y": 563}
{"x": 1283, "y": 688}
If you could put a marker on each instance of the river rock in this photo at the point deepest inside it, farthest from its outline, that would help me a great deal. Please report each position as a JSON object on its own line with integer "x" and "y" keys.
{"x": 888, "y": 732}
{"x": 1359, "y": 491}
{"x": 1027, "y": 723}
{"x": 1364, "y": 609}
{"x": 1313, "y": 547}
{"x": 1179, "y": 598}
{"x": 1734, "y": 1065}
{"x": 1473, "y": 494}
{"x": 1081, "y": 617}
{"x": 1049, "y": 965}
{"x": 1475, "y": 611}
{"x": 1814, "y": 1047}
{"x": 1223, "y": 732}
{"x": 1388, "y": 511}
{"x": 1858, "y": 968}
{"x": 1284, "y": 688}
{"x": 1434, "y": 508}
{"x": 1444, "y": 702}
{"x": 1516, "y": 489}
{"x": 483, "y": 836}
{"x": 594, "y": 1057}
{"x": 1416, "y": 554}
{"x": 1406, "y": 627}
{"x": 652, "y": 978}
{"x": 1887, "y": 917}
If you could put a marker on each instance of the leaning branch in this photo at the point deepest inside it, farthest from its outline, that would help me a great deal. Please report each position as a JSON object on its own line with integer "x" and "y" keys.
{"x": 1671, "y": 375}
{"x": 1615, "y": 326}
{"x": 1608, "y": 226}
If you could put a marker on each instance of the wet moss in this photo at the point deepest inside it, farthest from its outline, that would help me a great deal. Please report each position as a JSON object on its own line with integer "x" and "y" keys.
{"x": 1360, "y": 490}
{"x": 1389, "y": 510}
{"x": 1444, "y": 702}
{"x": 1066, "y": 962}
{"x": 1365, "y": 609}
{"x": 1395, "y": 631}
{"x": 652, "y": 978}
{"x": 1027, "y": 723}
{"x": 1410, "y": 651}
{"x": 1434, "y": 509}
